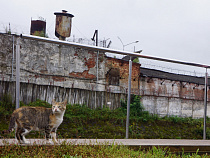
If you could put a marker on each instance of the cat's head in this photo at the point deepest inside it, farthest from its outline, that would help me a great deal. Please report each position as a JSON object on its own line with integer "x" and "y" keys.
{"x": 58, "y": 107}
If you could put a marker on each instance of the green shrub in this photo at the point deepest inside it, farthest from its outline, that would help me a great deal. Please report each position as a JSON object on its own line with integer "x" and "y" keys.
{"x": 81, "y": 121}
{"x": 38, "y": 103}
{"x": 6, "y": 102}
{"x": 136, "y": 108}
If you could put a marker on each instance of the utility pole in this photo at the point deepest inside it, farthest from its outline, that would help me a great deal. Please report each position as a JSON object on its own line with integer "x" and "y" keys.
{"x": 129, "y": 88}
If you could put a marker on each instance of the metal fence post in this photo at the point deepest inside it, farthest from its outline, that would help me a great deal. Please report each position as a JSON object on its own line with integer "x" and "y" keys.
{"x": 205, "y": 105}
{"x": 129, "y": 98}
{"x": 18, "y": 73}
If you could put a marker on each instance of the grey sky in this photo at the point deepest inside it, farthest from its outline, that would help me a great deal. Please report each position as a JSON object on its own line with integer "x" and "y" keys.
{"x": 177, "y": 29}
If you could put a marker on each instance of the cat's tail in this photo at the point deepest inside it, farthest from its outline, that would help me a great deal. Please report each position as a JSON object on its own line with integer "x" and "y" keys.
{"x": 11, "y": 125}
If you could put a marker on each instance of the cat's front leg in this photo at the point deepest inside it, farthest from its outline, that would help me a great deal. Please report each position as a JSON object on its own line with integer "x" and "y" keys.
{"x": 26, "y": 131}
{"x": 53, "y": 134}
{"x": 20, "y": 135}
{"x": 48, "y": 140}
{"x": 25, "y": 141}
{"x": 47, "y": 134}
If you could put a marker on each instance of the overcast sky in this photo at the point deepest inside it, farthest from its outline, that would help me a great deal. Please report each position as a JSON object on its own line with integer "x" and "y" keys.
{"x": 176, "y": 29}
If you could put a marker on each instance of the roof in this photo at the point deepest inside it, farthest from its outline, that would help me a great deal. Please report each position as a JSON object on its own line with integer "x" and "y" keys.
{"x": 127, "y": 58}
{"x": 171, "y": 76}
{"x": 153, "y": 73}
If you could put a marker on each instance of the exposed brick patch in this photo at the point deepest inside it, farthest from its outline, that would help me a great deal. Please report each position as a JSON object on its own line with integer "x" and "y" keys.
{"x": 90, "y": 63}
{"x": 92, "y": 53}
{"x": 123, "y": 67}
{"x": 83, "y": 74}
{"x": 44, "y": 71}
{"x": 58, "y": 78}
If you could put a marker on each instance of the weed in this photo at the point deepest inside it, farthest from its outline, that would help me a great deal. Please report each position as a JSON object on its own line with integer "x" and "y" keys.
{"x": 79, "y": 151}
{"x": 39, "y": 103}
{"x": 82, "y": 122}
{"x": 136, "y": 108}
{"x": 6, "y": 103}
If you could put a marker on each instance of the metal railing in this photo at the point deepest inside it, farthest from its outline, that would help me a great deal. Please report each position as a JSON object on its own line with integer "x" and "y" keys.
{"x": 101, "y": 49}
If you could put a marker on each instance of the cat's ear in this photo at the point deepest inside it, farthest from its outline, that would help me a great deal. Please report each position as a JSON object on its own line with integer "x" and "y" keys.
{"x": 65, "y": 102}
{"x": 53, "y": 101}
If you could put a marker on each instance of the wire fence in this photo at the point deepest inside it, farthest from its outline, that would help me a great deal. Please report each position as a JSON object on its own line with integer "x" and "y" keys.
{"x": 13, "y": 28}
{"x": 49, "y": 70}
{"x": 169, "y": 69}
{"x": 19, "y": 29}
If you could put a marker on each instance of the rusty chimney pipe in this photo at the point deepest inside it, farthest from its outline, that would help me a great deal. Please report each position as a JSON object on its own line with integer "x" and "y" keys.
{"x": 38, "y": 28}
{"x": 63, "y": 24}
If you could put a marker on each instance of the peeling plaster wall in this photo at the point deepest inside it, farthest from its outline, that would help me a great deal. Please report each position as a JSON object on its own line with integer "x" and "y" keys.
{"x": 61, "y": 64}
{"x": 53, "y": 66}
{"x": 6, "y": 49}
{"x": 173, "y": 98}
{"x": 165, "y": 106}
{"x": 160, "y": 87}
{"x": 44, "y": 63}
{"x": 52, "y": 71}
{"x": 123, "y": 67}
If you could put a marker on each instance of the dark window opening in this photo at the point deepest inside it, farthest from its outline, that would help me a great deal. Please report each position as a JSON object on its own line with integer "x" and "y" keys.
{"x": 114, "y": 77}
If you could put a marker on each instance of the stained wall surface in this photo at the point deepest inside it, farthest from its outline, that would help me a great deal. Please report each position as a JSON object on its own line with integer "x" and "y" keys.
{"x": 50, "y": 71}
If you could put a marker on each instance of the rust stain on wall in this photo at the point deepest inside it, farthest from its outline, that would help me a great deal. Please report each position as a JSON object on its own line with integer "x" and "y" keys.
{"x": 123, "y": 68}
{"x": 76, "y": 54}
{"x": 57, "y": 78}
{"x": 90, "y": 63}
{"x": 84, "y": 74}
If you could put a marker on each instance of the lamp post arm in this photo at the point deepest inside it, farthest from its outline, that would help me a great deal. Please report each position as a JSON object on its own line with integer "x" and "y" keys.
{"x": 120, "y": 41}
{"x": 131, "y": 43}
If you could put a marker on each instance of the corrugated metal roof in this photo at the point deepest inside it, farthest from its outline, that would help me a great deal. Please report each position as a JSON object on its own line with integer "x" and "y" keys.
{"x": 171, "y": 76}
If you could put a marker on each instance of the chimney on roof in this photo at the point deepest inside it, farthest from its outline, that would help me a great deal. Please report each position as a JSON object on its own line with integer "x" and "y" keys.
{"x": 63, "y": 24}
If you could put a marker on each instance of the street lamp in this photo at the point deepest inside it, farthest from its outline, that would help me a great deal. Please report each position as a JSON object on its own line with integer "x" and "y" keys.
{"x": 129, "y": 87}
{"x": 126, "y": 44}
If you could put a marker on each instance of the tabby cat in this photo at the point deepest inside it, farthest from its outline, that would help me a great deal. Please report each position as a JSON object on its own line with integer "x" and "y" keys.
{"x": 26, "y": 119}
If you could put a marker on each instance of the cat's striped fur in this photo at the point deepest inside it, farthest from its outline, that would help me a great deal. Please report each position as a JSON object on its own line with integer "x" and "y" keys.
{"x": 26, "y": 119}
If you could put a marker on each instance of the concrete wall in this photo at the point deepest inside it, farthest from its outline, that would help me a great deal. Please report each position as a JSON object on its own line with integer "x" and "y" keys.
{"x": 30, "y": 92}
{"x": 44, "y": 63}
{"x": 123, "y": 67}
{"x": 173, "y": 98}
{"x": 170, "y": 88}
{"x": 52, "y": 71}
{"x": 55, "y": 69}
{"x": 165, "y": 106}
